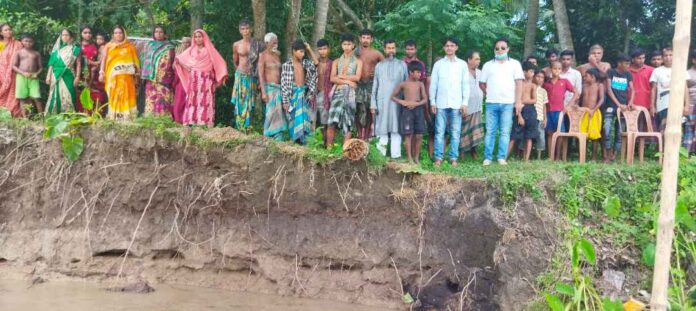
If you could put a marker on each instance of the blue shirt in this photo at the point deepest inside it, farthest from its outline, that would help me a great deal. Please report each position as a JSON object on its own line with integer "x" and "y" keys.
{"x": 449, "y": 84}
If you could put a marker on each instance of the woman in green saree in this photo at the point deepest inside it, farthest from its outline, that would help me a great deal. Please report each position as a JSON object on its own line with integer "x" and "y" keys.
{"x": 63, "y": 74}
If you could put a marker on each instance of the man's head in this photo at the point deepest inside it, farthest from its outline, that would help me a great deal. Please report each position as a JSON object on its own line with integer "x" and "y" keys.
{"x": 596, "y": 52}
{"x": 656, "y": 58}
{"x": 528, "y": 69}
{"x": 556, "y": 69}
{"x": 501, "y": 46}
{"x": 551, "y": 55}
{"x": 623, "y": 61}
{"x": 414, "y": 70}
{"x": 186, "y": 42}
{"x": 567, "y": 59}
{"x": 473, "y": 59}
{"x": 365, "y": 38}
{"x": 323, "y": 48}
{"x": 667, "y": 57}
{"x": 390, "y": 48}
{"x": 532, "y": 59}
{"x": 638, "y": 57}
{"x": 451, "y": 45}
{"x": 245, "y": 28}
{"x": 347, "y": 44}
{"x": 27, "y": 40}
{"x": 298, "y": 49}
{"x": 410, "y": 48}
{"x": 271, "y": 41}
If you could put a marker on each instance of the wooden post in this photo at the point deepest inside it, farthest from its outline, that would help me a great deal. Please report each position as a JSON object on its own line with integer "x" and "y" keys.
{"x": 670, "y": 166}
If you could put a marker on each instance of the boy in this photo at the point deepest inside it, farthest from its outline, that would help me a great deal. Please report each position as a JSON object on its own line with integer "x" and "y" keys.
{"x": 412, "y": 116}
{"x": 345, "y": 74}
{"x": 593, "y": 99}
{"x": 618, "y": 83}
{"x": 556, "y": 88}
{"x": 526, "y": 128}
{"x": 27, "y": 65}
{"x": 298, "y": 83}
{"x": 324, "y": 85}
{"x": 542, "y": 99}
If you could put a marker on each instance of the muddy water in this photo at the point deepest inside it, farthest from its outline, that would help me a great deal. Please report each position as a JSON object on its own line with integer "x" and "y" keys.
{"x": 77, "y": 296}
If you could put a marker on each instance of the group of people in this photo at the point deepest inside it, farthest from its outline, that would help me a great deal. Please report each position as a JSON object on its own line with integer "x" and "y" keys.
{"x": 363, "y": 91}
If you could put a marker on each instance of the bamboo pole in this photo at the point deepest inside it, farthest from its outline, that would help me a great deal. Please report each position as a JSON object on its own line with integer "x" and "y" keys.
{"x": 670, "y": 166}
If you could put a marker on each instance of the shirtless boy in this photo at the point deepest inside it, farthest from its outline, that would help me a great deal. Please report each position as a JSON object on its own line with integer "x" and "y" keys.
{"x": 369, "y": 57}
{"x": 322, "y": 102}
{"x": 412, "y": 116}
{"x": 526, "y": 127}
{"x": 593, "y": 99}
{"x": 27, "y": 65}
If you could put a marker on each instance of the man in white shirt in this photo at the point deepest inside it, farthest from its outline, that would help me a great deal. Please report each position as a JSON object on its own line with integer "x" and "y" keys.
{"x": 660, "y": 80}
{"x": 570, "y": 74}
{"x": 449, "y": 95}
{"x": 501, "y": 81}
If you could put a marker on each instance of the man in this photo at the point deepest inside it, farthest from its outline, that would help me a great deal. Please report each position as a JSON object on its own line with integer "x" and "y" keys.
{"x": 570, "y": 74}
{"x": 385, "y": 112}
{"x": 369, "y": 57}
{"x": 472, "y": 129}
{"x": 410, "y": 51}
{"x": 449, "y": 96}
{"x": 656, "y": 59}
{"x": 501, "y": 81}
{"x": 641, "y": 78}
{"x": 660, "y": 80}
{"x": 345, "y": 73}
{"x": 274, "y": 124}
{"x": 532, "y": 60}
{"x": 322, "y": 102}
{"x": 245, "y": 53}
{"x": 594, "y": 60}
{"x": 299, "y": 84}
{"x": 551, "y": 56}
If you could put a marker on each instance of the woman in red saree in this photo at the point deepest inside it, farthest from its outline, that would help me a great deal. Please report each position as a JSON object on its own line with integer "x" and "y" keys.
{"x": 201, "y": 70}
{"x": 8, "y": 48}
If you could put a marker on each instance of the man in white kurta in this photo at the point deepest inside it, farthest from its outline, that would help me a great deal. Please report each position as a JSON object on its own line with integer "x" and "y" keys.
{"x": 388, "y": 74}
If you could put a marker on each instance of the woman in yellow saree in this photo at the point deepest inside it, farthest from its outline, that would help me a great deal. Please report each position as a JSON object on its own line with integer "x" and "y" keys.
{"x": 119, "y": 70}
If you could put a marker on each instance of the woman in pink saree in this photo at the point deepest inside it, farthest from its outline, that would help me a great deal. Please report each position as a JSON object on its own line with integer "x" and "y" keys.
{"x": 8, "y": 48}
{"x": 201, "y": 70}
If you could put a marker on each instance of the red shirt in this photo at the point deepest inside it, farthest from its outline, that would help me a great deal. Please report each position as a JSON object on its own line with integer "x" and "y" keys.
{"x": 556, "y": 92}
{"x": 641, "y": 84}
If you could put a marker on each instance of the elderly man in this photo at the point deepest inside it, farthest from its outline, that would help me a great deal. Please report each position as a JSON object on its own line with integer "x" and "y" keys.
{"x": 275, "y": 124}
{"x": 385, "y": 112}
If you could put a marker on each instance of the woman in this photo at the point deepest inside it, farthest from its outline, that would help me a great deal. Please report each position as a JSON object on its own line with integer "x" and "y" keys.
{"x": 119, "y": 68}
{"x": 63, "y": 74}
{"x": 8, "y": 48}
{"x": 90, "y": 54}
{"x": 179, "y": 92}
{"x": 201, "y": 70}
{"x": 690, "y": 111}
{"x": 158, "y": 73}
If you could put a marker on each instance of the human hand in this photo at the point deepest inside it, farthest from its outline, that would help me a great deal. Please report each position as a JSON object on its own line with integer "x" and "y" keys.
{"x": 264, "y": 97}
{"x": 433, "y": 109}
{"x": 286, "y": 107}
{"x": 463, "y": 110}
{"x": 520, "y": 120}
{"x": 373, "y": 111}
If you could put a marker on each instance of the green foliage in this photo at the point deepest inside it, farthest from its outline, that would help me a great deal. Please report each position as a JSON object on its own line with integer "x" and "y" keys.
{"x": 66, "y": 127}
{"x": 5, "y": 114}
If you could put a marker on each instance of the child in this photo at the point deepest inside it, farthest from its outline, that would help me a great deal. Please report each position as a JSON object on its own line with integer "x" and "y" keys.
{"x": 593, "y": 99}
{"x": 618, "y": 83}
{"x": 526, "y": 128}
{"x": 556, "y": 88}
{"x": 542, "y": 99}
{"x": 412, "y": 116}
{"x": 27, "y": 65}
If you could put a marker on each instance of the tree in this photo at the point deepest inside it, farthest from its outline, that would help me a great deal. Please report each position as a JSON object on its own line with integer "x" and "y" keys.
{"x": 259, "y": 8}
{"x": 562, "y": 25}
{"x": 530, "y": 33}
{"x": 197, "y": 12}
{"x": 292, "y": 23}
{"x": 320, "y": 14}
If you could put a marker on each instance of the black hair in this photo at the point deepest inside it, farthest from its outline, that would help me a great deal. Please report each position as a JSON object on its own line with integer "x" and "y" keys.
{"x": 27, "y": 35}
{"x": 502, "y": 39}
{"x": 667, "y": 48}
{"x": 244, "y": 22}
{"x": 469, "y": 55}
{"x": 298, "y": 45}
{"x": 72, "y": 35}
{"x": 415, "y": 66}
{"x": 388, "y": 41}
{"x": 623, "y": 58}
{"x": 410, "y": 42}
{"x": 550, "y": 52}
{"x": 160, "y": 27}
{"x": 451, "y": 39}
{"x": 531, "y": 57}
{"x": 538, "y": 71}
{"x": 567, "y": 53}
{"x": 656, "y": 53}
{"x": 366, "y": 32}
{"x": 527, "y": 65}
{"x": 347, "y": 37}
{"x": 595, "y": 73}
{"x": 119, "y": 27}
{"x": 101, "y": 34}
{"x": 83, "y": 27}
{"x": 637, "y": 52}
{"x": 322, "y": 42}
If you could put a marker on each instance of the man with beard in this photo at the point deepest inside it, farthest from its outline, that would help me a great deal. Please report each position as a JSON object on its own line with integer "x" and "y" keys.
{"x": 245, "y": 54}
{"x": 274, "y": 124}
{"x": 385, "y": 112}
{"x": 369, "y": 57}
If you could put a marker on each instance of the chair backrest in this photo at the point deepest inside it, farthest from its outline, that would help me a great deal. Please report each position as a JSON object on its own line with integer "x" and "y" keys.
{"x": 575, "y": 115}
{"x": 632, "y": 117}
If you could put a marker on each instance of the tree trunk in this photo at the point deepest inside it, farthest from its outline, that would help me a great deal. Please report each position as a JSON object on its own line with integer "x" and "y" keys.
{"x": 562, "y": 25}
{"x": 197, "y": 11}
{"x": 80, "y": 15}
{"x": 320, "y": 13}
{"x": 259, "y": 8}
{"x": 530, "y": 34}
{"x": 351, "y": 14}
{"x": 670, "y": 164}
{"x": 291, "y": 25}
{"x": 627, "y": 36}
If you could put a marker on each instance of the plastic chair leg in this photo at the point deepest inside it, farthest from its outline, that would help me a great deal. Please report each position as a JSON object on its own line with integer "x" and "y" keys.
{"x": 564, "y": 150}
{"x": 641, "y": 149}
{"x": 624, "y": 148}
{"x": 630, "y": 154}
{"x": 582, "y": 144}
{"x": 552, "y": 149}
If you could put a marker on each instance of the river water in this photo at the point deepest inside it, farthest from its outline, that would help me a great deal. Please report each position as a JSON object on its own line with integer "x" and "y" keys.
{"x": 83, "y": 296}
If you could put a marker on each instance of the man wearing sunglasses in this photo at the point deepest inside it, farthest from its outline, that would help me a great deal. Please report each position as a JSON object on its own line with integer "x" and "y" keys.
{"x": 501, "y": 82}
